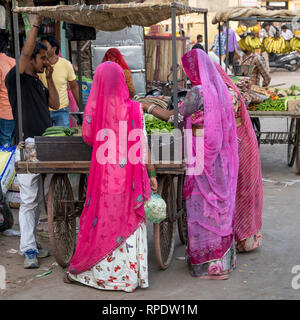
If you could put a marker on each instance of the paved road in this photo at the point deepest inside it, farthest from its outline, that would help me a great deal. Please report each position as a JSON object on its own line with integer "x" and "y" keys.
{"x": 262, "y": 274}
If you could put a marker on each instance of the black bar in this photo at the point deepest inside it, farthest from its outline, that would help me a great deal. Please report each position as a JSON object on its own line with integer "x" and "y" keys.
{"x": 288, "y": 19}
{"x": 220, "y": 55}
{"x": 18, "y": 81}
{"x": 174, "y": 62}
{"x": 79, "y": 76}
{"x": 205, "y": 32}
{"x": 227, "y": 49}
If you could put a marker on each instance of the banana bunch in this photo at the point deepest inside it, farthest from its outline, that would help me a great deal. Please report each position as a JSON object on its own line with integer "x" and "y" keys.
{"x": 256, "y": 29}
{"x": 243, "y": 45}
{"x": 295, "y": 44}
{"x": 253, "y": 42}
{"x": 275, "y": 45}
{"x": 288, "y": 47}
{"x": 241, "y": 29}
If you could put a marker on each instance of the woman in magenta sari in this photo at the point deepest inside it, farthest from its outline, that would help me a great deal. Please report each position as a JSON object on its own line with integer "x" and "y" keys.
{"x": 210, "y": 195}
{"x": 111, "y": 252}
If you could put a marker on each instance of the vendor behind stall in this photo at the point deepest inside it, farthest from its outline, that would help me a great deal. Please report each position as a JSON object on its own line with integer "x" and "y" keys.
{"x": 63, "y": 76}
{"x": 260, "y": 69}
{"x": 35, "y": 99}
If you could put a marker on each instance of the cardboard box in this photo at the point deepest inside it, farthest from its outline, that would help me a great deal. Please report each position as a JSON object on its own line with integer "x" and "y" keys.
{"x": 294, "y": 105}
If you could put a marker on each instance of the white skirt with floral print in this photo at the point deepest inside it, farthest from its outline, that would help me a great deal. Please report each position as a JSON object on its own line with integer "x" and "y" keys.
{"x": 125, "y": 269}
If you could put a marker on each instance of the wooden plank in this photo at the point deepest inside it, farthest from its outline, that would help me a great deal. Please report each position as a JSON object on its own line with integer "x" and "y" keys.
{"x": 52, "y": 167}
{"x": 274, "y": 114}
{"x": 81, "y": 167}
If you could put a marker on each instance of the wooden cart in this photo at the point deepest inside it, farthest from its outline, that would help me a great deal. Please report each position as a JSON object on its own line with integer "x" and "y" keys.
{"x": 65, "y": 205}
{"x": 291, "y": 137}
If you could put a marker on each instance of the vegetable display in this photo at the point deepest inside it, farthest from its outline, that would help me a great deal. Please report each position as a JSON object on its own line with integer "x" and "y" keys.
{"x": 269, "y": 105}
{"x": 156, "y": 126}
{"x": 58, "y": 131}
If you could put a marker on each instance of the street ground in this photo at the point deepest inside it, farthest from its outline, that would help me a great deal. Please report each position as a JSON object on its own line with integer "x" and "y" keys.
{"x": 265, "y": 273}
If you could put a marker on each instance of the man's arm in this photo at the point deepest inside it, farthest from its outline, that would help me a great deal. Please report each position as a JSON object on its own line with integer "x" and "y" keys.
{"x": 263, "y": 71}
{"x": 29, "y": 44}
{"x": 53, "y": 100}
{"x": 75, "y": 90}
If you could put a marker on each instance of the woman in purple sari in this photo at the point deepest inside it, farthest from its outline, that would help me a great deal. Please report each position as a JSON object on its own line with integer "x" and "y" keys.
{"x": 209, "y": 192}
{"x": 210, "y": 195}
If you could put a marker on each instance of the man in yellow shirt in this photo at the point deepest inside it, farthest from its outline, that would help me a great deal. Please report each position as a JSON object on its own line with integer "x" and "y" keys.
{"x": 63, "y": 75}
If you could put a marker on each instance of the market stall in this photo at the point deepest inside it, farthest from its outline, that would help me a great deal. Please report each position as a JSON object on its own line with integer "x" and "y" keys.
{"x": 290, "y": 106}
{"x": 62, "y": 208}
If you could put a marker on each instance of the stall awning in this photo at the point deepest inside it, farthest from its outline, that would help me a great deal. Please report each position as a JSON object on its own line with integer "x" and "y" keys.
{"x": 112, "y": 17}
{"x": 242, "y": 13}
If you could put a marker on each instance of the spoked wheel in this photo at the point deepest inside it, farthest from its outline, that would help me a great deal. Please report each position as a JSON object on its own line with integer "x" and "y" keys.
{"x": 297, "y": 145}
{"x": 291, "y": 152}
{"x": 164, "y": 232}
{"x": 182, "y": 220}
{"x": 82, "y": 189}
{"x": 182, "y": 226}
{"x": 61, "y": 219}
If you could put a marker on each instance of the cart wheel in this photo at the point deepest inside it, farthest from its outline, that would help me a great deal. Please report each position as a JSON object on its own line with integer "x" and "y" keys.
{"x": 182, "y": 226}
{"x": 82, "y": 186}
{"x": 164, "y": 232}
{"x": 291, "y": 152}
{"x": 297, "y": 147}
{"x": 61, "y": 219}
{"x": 182, "y": 222}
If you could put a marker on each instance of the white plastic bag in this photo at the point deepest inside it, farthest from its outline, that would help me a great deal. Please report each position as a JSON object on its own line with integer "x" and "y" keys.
{"x": 155, "y": 208}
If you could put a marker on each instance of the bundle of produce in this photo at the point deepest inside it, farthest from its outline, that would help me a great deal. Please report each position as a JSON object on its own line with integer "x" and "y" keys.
{"x": 274, "y": 45}
{"x": 258, "y": 90}
{"x": 288, "y": 47}
{"x": 269, "y": 105}
{"x": 58, "y": 131}
{"x": 253, "y": 42}
{"x": 249, "y": 43}
{"x": 156, "y": 126}
{"x": 241, "y": 29}
{"x": 295, "y": 44}
{"x": 256, "y": 29}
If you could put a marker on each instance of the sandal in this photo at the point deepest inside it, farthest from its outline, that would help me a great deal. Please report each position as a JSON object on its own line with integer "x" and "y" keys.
{"x": 67, "y": 279}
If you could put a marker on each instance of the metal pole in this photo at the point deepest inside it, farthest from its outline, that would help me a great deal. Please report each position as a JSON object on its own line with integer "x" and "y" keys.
{"x": 220, "y": 56}
{"x": 18, "y": 81}
{"x": 205, "y": 32}
{"x": 79, "y": 76}
{"x": 227, "y": 49}
{"x": 174, "y": 62}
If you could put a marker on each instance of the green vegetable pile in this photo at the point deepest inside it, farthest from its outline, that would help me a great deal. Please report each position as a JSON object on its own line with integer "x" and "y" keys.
{"x": 156, "y": 126}
{"x": 58, "y": 131}
{"x": 271, "y": 105}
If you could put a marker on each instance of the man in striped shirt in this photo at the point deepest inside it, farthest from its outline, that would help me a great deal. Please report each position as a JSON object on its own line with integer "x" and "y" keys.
{"x": 260, "y": 69}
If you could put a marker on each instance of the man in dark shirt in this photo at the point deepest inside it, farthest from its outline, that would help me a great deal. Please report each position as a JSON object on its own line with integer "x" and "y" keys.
{"x": 36, "y": 100}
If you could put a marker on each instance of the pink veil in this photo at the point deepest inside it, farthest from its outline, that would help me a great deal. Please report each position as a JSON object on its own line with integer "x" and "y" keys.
{"x": 249, "y": 201}
{"x": 116, "y": 190}
{"x": 213, "y": 201}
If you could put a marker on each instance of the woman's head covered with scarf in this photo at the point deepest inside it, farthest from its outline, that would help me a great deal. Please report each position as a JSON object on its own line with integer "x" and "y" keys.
{"x": 114, "y": 55}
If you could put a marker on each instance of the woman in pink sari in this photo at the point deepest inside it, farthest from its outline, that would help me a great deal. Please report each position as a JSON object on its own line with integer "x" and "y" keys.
{"x": 111, "y": 252}
{"x": 249, "y": 196}
{"x": 210, "y": 195}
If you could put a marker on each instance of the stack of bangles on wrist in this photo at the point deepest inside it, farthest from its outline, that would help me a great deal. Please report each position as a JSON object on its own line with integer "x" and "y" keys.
{"x": 152, "y": 106}
{"x": 151, "y": 173}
